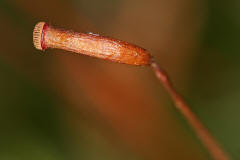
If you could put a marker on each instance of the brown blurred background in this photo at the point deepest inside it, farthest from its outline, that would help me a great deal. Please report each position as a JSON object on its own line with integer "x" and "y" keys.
{"x": 57, "y": 105}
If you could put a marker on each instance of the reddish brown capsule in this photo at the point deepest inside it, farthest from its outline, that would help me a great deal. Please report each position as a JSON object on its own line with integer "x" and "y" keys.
{"x": 45, "y": 36}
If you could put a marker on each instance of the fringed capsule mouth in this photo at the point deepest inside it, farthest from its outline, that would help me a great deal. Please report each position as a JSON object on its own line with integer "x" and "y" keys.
{"x": 38, "y": 35}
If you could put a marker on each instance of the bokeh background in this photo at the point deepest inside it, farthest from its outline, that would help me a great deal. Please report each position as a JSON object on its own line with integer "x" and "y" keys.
{"x": 57, "y": 105}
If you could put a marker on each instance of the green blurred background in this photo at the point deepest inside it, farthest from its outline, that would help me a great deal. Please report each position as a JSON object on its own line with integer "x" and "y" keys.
{"x": 55, "y": 105}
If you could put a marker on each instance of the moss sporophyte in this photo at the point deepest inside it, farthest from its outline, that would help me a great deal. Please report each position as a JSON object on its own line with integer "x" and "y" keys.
{"x": 46, "y": 36}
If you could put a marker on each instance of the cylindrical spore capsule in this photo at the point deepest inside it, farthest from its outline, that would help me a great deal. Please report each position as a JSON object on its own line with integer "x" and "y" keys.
{"x": 46, "y": 36}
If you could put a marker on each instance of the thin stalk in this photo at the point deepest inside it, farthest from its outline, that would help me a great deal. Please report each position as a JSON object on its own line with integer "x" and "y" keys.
{"x": 202, "y": 132}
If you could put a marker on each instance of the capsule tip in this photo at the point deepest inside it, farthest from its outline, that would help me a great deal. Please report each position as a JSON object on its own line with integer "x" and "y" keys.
{"x": 38, "y": 35}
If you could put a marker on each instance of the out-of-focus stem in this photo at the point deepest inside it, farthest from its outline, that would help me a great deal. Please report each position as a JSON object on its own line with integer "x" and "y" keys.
{"x": 206, "y": 138}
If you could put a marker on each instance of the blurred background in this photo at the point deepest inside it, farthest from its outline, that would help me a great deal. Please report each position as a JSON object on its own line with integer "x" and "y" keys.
{"x": 56, "y": 105}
